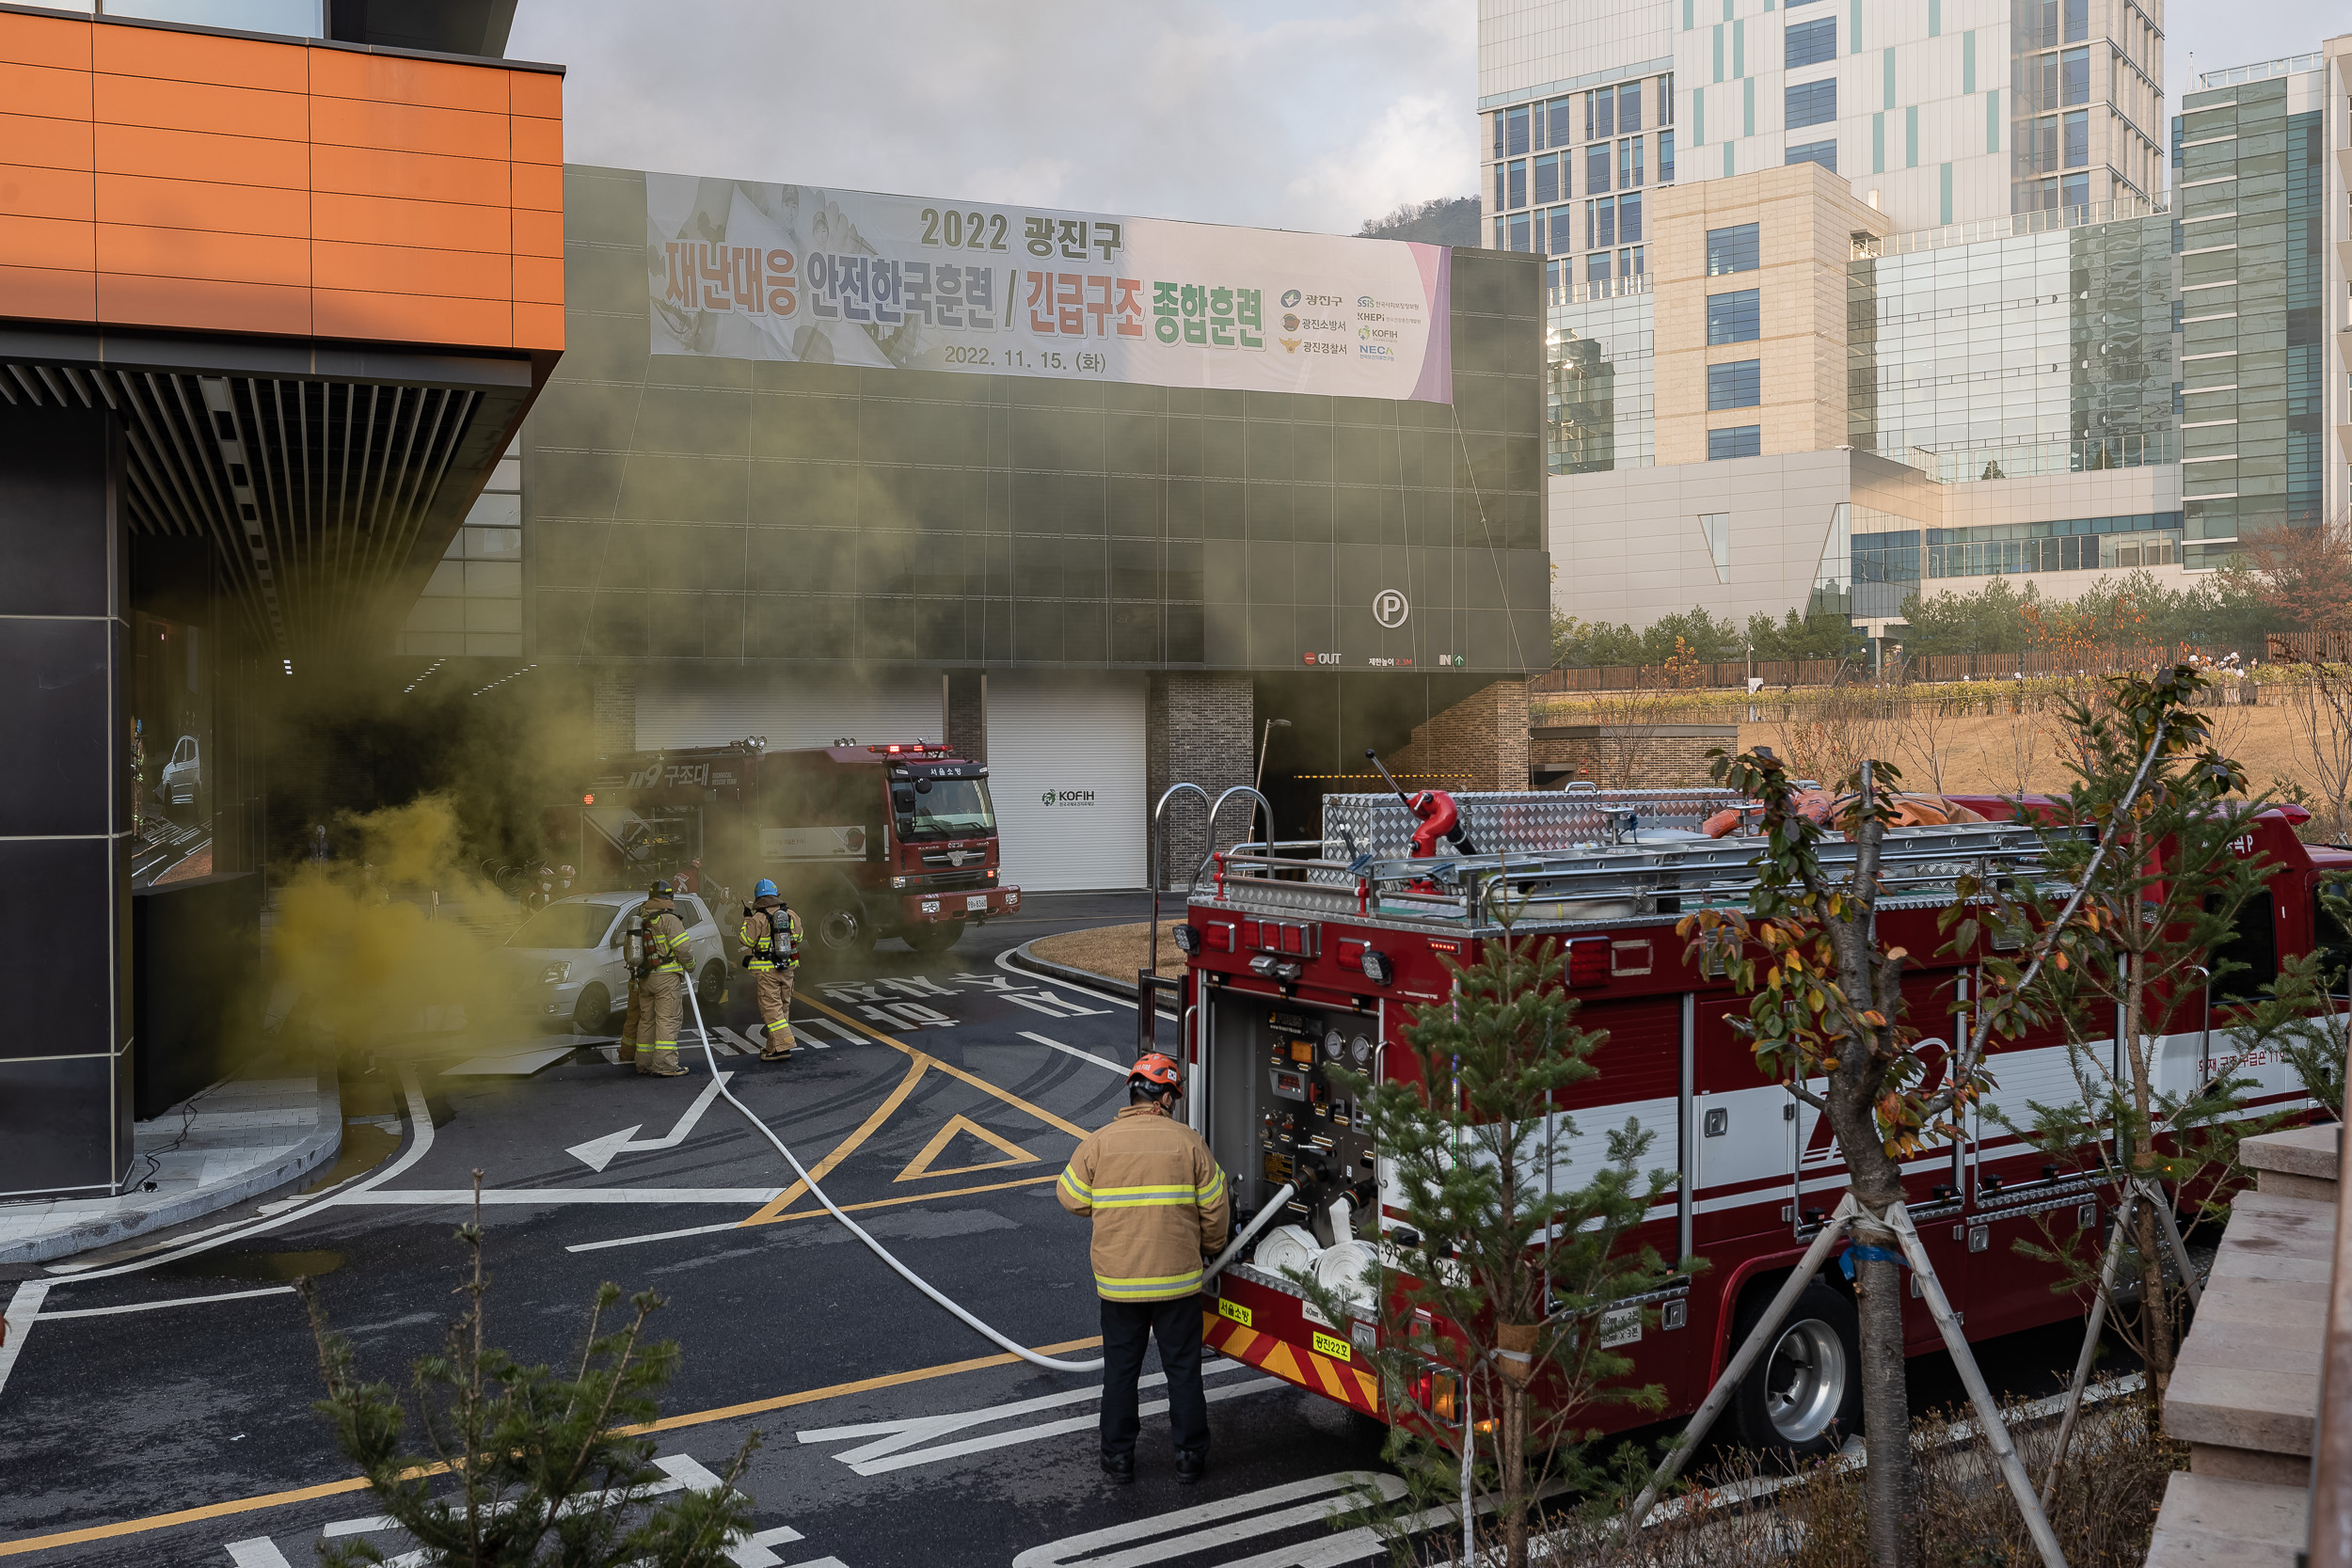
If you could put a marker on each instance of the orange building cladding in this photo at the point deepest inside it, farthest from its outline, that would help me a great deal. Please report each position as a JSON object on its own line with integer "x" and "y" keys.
{"x": 151, "y": 176}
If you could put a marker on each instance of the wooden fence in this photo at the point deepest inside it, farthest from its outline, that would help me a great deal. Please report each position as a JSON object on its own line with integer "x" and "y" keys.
{"x": 1780, "y": 675}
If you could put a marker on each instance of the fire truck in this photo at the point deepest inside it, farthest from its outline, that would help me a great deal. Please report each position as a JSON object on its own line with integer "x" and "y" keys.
{"x": 865, "y": 841}
{"x": 1304, "y": 955}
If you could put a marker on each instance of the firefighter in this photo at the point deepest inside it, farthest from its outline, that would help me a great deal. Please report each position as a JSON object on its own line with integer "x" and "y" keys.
{"x": 663, "y": 1004}
{"x": 771, "y": 951}
{"x": 1158, "y": 1203}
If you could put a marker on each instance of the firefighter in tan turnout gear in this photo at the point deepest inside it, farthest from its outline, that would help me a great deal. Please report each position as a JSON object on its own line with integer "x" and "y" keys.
{"x": 659, "y": 960}
{"x": 771, "y": 951}
{"x": 1158, "y": 1202}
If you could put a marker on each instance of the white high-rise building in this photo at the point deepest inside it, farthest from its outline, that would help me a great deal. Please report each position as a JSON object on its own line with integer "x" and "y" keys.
{"x": 1935, "y": 112}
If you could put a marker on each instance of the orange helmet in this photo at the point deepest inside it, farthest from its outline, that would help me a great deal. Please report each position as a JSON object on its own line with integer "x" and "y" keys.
{"x": 1156, "y": 1072}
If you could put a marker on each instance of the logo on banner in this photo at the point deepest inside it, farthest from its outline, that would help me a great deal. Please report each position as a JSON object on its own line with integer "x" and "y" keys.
{"x": 1291, "y": 298}
{"x": 1389, "y": 608}
{"x": 1067, "y": 797}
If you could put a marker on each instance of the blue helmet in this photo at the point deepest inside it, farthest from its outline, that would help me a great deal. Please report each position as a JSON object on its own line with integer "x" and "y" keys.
{"x": 764, "y": 889}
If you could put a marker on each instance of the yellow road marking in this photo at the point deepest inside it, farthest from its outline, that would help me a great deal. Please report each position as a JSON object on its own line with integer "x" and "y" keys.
{"x": 981, "y": 1084}
{"x": 920, "y": 1166}
{"x": 668, "y": 1424}
{"x": 914, "y": 1197}
{"x": 846, "y": 1146}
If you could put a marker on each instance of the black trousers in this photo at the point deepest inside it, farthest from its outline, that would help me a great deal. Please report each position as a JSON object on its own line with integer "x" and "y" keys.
{"x": 1176, "y": 1324}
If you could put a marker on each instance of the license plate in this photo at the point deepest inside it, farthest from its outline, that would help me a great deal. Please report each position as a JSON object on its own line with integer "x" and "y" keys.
{"x": 977, "y": 901}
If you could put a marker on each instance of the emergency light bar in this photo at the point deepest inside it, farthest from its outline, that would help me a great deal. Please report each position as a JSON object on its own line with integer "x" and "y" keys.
{"x": 919, "y": 749}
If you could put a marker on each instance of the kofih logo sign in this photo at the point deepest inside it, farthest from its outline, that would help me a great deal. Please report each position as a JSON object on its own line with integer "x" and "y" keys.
{"x": 1067, "y": 797}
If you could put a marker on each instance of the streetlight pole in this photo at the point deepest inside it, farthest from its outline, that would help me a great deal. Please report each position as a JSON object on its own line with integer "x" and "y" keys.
{"x": 1266, "y": 737}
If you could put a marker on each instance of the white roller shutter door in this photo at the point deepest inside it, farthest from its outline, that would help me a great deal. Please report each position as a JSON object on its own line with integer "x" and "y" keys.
{"x": 794, "y": 708}
{"x": 1074, "y": 740}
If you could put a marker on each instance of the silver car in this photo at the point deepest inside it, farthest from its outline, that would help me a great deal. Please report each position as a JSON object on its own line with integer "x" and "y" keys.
{"x": 571, "y": 950}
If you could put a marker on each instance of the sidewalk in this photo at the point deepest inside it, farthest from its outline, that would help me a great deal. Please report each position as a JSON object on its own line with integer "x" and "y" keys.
{"x": 243, "y": 1136}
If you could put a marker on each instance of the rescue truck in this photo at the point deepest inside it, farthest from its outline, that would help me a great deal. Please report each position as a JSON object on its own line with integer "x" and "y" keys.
{"x": 1303, "y": 956}
{"x": 897, "y": 839}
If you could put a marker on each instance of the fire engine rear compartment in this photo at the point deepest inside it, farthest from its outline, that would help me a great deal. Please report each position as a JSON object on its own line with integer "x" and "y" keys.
{"x": 1273, "y": 1113}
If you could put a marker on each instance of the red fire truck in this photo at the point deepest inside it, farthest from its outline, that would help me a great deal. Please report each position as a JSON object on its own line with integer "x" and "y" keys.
{"x": 1303, "y": 956}
{"x": 865, "y": 841}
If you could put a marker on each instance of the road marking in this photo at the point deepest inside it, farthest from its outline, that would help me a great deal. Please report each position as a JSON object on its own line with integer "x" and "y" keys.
{"x": 1082, "y": 1055}
{"x": 893, "y": 1446}
{"x": 1030, "y": 976}
{"x": 176, "y": 1301}
{"x": 24, "y": 1544}
{"x": 752, "y": 1552}
{"x": 23, "y": 1307}
{"x": 813, "y": 1213}
{"x": 261, "y": 1552}
{"x": 1053, "y": 1006}
{"x": 1311, "y": 1502}
{"x": 842, "y": 1151}
{"x": 521, "y": 1063}
{"x": 596, "y": 1154}
{"x": 981, "y": 1084}
{"x": 920, "y": 1166}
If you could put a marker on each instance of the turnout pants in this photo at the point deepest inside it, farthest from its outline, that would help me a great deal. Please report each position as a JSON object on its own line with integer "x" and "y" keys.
{"x": 664, "y": 1012}
{"x": 1176, "y": 1325}
{"x": 773, "y": 988}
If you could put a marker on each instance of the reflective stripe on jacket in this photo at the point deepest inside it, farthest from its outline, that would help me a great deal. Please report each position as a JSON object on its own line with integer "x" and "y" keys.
{"x": 668, "y": 941}
{"x": 772, "y": 944}
{"x": 1158, "y": 1202}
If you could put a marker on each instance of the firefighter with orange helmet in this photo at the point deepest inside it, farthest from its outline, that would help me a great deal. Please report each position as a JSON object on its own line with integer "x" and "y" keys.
{"x": 1158, "y": 1202}
{"x": 771, "y": 951}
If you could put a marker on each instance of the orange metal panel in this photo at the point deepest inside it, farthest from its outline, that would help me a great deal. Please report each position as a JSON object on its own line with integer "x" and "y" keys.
{"x": 176, "y": 57}
{"x": 200, "y": 106}
{"x": 535, "y": 93}
{"x": 360, "y": 172}
{"x": 412, "y": 318}
{"x": 539, "y": 327}
{"x": 539, "y": 185}
{"x": 50, "y": 143}
{"x": 50, "y": 293}
{"x": 408, "y": 128}
{"x": 54, "y": 40}
{"x": 537, "y": 141}
{"x": 380, "y": 220}
{"x": 44, "y": 242}
{"x": 205, "y": 304}
{"x": 44, "y": 193}
{"x": 390, "y": 79}
{"x": 411, "y": 269}
{"x": 538, "y": 234}
{"x": 37, "y": 89}
{"x": 539, "y": 279}
{"x": 125, "y": 248}
{"x": 203, "y": 204}
{"x": 200, "y": 156}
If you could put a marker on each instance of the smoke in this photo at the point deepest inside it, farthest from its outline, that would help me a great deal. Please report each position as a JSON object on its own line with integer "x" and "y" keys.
{"x": 394, "y": 947}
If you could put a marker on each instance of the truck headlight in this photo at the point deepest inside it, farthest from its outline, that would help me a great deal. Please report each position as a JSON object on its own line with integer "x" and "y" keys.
{"x": 898, "y": 882}
{"x": 1188, "y": 938}
{"x": 555, "y": 975}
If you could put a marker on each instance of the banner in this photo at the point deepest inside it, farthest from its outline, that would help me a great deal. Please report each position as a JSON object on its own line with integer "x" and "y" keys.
{"x": 744, "y": 270}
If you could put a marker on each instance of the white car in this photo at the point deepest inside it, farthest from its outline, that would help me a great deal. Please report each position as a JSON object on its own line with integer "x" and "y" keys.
{"x": 183, "y": 775}
{"x": 571, "y": 950}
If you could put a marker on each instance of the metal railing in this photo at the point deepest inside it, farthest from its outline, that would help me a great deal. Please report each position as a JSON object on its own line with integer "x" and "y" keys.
{"x": 1870, "y": 247}
{"x": 2261, "y": 70}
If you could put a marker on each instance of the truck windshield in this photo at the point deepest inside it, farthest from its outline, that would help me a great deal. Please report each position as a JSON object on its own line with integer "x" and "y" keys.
{"x": 566, "y": 925}
{"x": 952, "y": 808}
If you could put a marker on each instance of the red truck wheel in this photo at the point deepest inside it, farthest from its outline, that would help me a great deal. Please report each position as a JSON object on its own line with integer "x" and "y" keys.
{"x": 937, "y": 937}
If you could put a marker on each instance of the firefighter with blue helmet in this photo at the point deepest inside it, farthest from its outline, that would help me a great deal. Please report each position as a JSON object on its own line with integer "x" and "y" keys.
{"x": 771, "y": 951}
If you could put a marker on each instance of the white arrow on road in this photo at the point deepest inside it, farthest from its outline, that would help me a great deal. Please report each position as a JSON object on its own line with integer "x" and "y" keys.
{"x": 596, "y": 1154}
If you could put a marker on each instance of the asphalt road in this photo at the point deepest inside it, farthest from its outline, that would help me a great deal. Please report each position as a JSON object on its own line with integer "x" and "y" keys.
{"x": 157, "y": 1408}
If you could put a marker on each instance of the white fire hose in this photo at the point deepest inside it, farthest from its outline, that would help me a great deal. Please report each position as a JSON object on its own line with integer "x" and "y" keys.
{"x": 1231, "y": 1250}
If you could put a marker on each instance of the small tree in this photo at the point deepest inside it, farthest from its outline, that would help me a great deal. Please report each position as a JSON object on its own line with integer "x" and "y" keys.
{"x": 523, "y": 1466}
{"x": 1508, "y": 1277}
{"x": 2152, "y": 918}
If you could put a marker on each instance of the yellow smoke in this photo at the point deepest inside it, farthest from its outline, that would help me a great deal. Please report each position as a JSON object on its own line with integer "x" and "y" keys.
{"x": 396, "y": 949}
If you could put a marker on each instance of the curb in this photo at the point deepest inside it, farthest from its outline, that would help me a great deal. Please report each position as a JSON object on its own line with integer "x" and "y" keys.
{"x": 1021, "y": 957}
{"x": 325, "y": 1142}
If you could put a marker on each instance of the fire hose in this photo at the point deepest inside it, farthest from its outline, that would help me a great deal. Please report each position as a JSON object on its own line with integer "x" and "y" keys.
{"x": 1231, "y": 1250}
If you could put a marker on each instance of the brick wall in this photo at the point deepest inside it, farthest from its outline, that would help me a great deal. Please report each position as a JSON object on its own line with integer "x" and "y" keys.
{"x": 613, "y": 712}
{"x": 1623, "y": 757}
{"x": 1197, "y": 730}
{"x": 1478, "y": 743}
{"x": 967, "y": 714}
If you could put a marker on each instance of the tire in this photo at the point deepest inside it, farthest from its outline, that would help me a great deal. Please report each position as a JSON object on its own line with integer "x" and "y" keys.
{"x": 593, "y": 1011}
{"x": 1803, "y": 1396}
{"x": 840, "y": 932}
{"x": 935, "y": 938}
{"x": 710, "y": 986}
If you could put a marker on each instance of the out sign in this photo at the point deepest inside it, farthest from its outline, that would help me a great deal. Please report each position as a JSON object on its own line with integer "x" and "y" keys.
{"x": 1389, "y": 608}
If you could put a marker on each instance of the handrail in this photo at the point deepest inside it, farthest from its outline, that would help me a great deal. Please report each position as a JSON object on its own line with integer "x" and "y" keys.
{"x": 2331, "y": 1543}
{"x": 1159, "y": 856}
{"x": 1147, "y": 1005}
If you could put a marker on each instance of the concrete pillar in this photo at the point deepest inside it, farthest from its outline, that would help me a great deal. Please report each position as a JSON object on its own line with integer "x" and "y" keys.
{"x": 967, "y": 714}
{"x": 65, "y": 803}
{"x": 613, "y": 714}
{"x": 1197, "y": 730}
{"x": 1478, "y": 743}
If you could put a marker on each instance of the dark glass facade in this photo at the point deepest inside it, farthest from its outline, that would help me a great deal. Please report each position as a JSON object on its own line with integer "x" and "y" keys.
{"x": 685, "y": 508}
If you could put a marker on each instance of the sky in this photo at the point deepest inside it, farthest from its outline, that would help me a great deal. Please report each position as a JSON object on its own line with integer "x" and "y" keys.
{"x": 1286, "y": 114}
